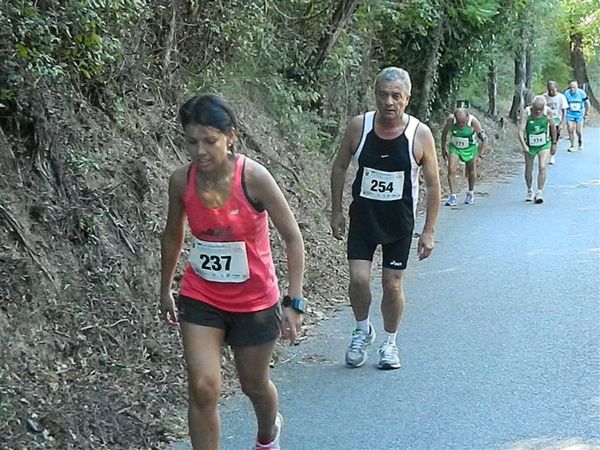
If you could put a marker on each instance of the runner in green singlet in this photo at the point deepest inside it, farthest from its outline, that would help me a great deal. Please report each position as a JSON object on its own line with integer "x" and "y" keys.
{"x": 537, "y": 135}
{"x": 463, "y": 146}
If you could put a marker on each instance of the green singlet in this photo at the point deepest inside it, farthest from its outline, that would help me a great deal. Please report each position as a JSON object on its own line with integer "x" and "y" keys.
{"x": 537, "y": 133}
{"x": 462, "y": 141}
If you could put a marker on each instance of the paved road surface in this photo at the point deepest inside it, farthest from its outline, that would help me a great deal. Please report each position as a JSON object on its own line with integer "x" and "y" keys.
{"x": 500, "y": 341}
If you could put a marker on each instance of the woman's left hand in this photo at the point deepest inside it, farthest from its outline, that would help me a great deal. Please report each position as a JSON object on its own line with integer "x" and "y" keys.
{"x": 291, "y": 321}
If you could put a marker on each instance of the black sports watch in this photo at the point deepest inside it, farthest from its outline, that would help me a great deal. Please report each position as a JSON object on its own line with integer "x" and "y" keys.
{"x": 297, "y": 304}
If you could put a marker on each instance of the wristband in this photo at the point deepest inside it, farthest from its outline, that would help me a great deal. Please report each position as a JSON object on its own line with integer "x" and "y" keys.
{"x": 297, "y": 304}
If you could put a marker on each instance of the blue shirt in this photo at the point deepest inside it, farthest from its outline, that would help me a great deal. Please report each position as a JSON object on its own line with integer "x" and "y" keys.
{"x": 576, "y": 102}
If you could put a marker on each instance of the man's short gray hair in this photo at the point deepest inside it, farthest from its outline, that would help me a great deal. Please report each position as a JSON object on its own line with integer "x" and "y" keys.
{"x": 394, "y": 74}
{"x": 539, "y": 101}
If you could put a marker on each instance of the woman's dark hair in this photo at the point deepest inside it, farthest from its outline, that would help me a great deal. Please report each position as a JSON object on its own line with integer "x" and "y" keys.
{"x": 208, "y": 110}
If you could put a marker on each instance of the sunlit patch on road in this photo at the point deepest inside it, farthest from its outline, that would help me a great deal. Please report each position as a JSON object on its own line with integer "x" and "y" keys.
{"x": 555, "y": 444}
{"x": 589, "y": 183}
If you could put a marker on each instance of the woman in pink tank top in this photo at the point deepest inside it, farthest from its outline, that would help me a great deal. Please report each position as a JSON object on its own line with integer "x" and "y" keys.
{"x": 229, "y": 290}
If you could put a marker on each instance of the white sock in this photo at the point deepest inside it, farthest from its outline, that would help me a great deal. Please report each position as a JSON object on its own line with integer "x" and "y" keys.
{"x": 471, "y": 193}
{"x": 390, "y": 337}
{"x": 539, "y": 192}
{"x": 363, "y": 325}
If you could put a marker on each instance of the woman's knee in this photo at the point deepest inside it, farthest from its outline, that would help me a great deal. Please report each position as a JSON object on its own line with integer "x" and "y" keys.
{"x": 204, "y": 390}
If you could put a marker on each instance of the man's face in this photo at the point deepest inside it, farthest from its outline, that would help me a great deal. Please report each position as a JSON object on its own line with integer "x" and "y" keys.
{"x": 552, "y": 88}
{"x": 391, "y": 99}
{"x": 537, "y": 110}
{"x": 461, "y": 119}
{"x": 573, "y": 86}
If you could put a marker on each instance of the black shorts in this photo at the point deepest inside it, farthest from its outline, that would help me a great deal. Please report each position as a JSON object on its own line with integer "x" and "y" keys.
{"x": 395, "y": 254}
{"x": 241, "y": 329}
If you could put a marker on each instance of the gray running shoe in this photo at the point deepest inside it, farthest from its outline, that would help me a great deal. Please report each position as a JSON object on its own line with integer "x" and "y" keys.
{"x": 529, "y": 197}
{"x": 451, "y": 200}
{"x": 388, "y": 356}
{"x": 356, "y": 355}
{"x": 470, "y": 199}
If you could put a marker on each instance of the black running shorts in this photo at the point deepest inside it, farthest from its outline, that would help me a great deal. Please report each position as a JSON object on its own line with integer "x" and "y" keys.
{"x": 241, "y": 329}
{"x": 395, "y": 254}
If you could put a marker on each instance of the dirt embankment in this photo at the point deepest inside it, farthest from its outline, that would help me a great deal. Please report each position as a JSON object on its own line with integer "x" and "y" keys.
{"x": 86, "y": 361}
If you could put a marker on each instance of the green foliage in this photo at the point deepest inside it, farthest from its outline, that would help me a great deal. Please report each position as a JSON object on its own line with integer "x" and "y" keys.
{"x": 88, "y": 229}
{"x": 77, "y": 40}
{"x": 582, "y": 16}
{"x": 82, "y": 161}
{"x": 262, "y": 50}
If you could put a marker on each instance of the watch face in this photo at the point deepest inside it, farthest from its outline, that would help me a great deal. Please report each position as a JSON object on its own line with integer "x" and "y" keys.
{"x": 299, "y": 305}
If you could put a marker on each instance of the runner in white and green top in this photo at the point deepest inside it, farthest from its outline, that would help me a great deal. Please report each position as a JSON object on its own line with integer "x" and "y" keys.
{"x": 557, "y": 102}
{"x": 537, "y": 135}
{"x": 463, "y": 127}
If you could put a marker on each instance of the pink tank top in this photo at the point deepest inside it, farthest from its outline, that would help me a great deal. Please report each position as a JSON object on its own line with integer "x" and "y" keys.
{"x": 230, "y": 265}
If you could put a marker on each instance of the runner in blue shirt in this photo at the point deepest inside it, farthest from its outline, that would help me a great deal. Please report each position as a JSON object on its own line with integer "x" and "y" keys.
{"x": 577, "y": 113}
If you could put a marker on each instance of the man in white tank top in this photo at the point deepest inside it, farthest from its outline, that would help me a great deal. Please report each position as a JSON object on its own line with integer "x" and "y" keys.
{"x": 388, "y": 148}
{"x": 557, "y": 102}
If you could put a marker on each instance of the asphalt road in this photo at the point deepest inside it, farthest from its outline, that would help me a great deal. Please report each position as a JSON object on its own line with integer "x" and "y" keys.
{"x": 500, "y": 341}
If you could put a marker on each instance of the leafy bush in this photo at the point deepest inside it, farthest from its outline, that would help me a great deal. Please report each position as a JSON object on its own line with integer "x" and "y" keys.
{"x": 73, "y": 40}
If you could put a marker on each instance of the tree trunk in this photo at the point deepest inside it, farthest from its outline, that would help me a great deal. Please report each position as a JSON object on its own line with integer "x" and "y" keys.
{"x": 170, "y": 43}
{"x": 527, "y": 95}
{"x": 519, "y": 94}
{"x": 492, "y": 85}
{"x": 580, "y": 69}
{"x": 365, "y": 75}
{"x": 331, "y": 34}
{"x": 429, "y": 75}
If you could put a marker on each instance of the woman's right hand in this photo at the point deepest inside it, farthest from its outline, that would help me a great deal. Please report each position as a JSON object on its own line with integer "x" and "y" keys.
{"x": 168, "y": 309}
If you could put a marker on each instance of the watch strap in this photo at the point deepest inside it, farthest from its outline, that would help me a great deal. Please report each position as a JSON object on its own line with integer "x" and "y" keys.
{"x": 297, "y": 304}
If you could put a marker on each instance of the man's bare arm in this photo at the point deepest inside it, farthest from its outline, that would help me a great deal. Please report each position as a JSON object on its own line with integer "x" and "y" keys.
{"x": 480, "y": 132}
{"x": 522, "y": 125}
{"x": 428, "y": 160}
{"x": 338, "y": 174}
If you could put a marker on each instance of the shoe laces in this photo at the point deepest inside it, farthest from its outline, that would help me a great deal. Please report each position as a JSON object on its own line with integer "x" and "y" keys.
{"x": 388, "y": 350}
{"x": 359, "y": 339}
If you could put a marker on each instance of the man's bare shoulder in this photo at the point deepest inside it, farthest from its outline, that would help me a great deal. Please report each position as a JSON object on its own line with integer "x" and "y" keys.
{"x": 355, "y": 125}
{"x": 352, "y": 134}
{"x": 423, "y": 131}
